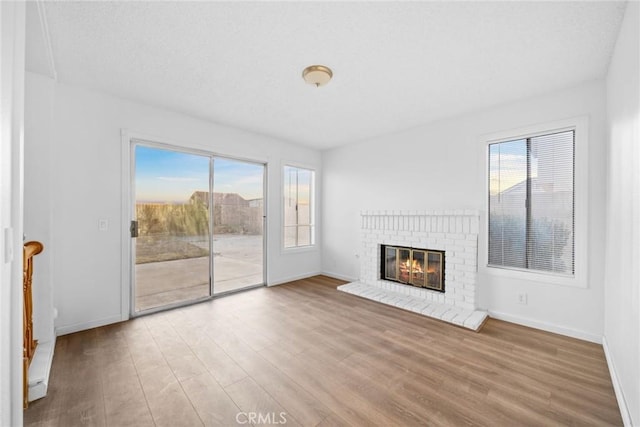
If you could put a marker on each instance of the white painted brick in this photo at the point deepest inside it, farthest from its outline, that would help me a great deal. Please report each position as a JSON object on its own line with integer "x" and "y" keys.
{"x": 458, "y": 228}
{"x": 416, "y": 229}
{"x": 455, "y": 236}
{"x": 450, "y": 314}
{"x": 474, "y": 226}
{"x": 461, "y": 317}
{"x": 466, "y": 305}
{"x": 467, "y": 281}
{"x": 475, "y": 320}
{"x": 404, "y": 303}
{"x": 454, "y": 260}
{"x": 429, "y": 309}
{"x": 466, "y": 225}
{"x": 440, "y": 311}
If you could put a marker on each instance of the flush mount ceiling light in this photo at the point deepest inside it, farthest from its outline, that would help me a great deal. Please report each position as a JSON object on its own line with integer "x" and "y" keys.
{"x": 318, "y": 75}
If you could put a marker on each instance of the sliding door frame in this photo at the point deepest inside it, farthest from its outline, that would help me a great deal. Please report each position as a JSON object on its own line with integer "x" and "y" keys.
{"x": 135, "y": 142}
{"x": 128, "y": 141}
{"x": 264, "y": 225}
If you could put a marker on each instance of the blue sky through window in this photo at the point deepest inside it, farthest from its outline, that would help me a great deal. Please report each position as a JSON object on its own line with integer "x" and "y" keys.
{"x": 166, "y": 176}
{"x": 508, "y": 165}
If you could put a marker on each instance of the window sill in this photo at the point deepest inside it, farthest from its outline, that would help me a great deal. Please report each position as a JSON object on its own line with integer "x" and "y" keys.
{"x": 575, "y": 281}
{"x": 299, "y": 249}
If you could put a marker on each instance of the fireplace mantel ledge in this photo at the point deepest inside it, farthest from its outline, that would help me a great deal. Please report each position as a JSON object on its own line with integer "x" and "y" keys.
{"x": 436, "y": 212}
{"x": 470, "y": 319}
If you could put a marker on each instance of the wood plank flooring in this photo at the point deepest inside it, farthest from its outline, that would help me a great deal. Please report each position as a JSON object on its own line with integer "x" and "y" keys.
{"x": 306, "y": 354}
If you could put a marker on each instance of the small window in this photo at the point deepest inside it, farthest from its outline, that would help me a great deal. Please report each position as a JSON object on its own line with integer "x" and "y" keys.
{"x": 531, "y": 203}
{"x": 299, "y": 228}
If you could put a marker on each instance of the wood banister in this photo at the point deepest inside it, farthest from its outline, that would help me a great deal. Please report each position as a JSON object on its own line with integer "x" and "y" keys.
{"x": 30, "y": 250}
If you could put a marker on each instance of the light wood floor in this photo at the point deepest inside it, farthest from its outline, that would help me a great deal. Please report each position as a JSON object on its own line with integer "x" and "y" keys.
{"x": 321, "y": 357}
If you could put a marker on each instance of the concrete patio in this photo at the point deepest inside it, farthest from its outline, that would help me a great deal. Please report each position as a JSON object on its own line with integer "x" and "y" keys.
{"x": 237, "y": 264}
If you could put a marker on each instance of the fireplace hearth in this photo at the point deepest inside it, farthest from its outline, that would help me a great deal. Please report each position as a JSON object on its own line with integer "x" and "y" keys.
{"x": 453, "y": 232}
{"x": 422, "y": 268}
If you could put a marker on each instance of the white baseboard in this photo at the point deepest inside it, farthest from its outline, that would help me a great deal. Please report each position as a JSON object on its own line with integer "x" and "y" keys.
{"x": 40, "y": 369}
{"x": 69, "y": 329}
{"x": 339, "y": 276}
{"x": 293, "y": 278}
{"x": 573, "y": 333}
{"x": 617, "y": 388}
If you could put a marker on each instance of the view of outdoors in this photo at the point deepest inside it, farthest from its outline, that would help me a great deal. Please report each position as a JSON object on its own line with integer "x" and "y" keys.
{"x": 298, "y": 214}
{"x": 238, "y": 220}
{"x": 531, "y": 203}
{"x": 173, "y": 251}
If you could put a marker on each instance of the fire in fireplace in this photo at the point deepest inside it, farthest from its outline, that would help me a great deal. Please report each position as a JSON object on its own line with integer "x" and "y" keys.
{"x": 423, "y": 268}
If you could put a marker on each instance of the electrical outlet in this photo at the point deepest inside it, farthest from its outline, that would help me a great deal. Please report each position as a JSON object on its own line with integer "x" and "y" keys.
{"x": 103, "y": 225}
{"x": 522, "y": 299}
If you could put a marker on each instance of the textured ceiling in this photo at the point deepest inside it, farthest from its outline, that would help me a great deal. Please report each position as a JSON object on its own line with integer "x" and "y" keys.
{"x": 396, "y": 65}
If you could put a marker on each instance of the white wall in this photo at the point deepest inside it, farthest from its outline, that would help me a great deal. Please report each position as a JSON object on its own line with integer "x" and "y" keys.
{"x": 437, "y": 167}
{"x": 38, "y": 197}
{"x": 83, "y": 176}
{"x": 12, "y": 54}
{"x": 622, "y": 278}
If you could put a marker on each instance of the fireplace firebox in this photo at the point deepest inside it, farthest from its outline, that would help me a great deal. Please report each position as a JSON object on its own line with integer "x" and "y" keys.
{"x": 423, "y": 268}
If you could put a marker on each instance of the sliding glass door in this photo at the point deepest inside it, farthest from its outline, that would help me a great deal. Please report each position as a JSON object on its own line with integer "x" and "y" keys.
{"x": 172, "y": 246}
{"x": 189, "y": 242}
{"x": 238, "y": 218}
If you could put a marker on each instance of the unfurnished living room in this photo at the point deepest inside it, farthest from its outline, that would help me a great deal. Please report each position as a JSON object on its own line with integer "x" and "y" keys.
{"x": 320, "y": 213}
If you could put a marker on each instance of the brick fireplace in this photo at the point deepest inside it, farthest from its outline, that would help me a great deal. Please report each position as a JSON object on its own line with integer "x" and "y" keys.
{"x": 454, "y": 233}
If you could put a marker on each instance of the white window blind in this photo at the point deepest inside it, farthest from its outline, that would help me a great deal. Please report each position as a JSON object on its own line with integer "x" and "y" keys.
{"x": 298, "y": 210}
{"x": 531, "y": 203}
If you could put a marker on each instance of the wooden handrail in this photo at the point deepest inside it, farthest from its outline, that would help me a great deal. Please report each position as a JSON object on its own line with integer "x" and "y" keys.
{"x": 30, "y": 250}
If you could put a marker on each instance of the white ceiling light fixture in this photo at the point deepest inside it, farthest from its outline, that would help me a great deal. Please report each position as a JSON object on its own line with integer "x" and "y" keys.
{"x": 317, "y": 75}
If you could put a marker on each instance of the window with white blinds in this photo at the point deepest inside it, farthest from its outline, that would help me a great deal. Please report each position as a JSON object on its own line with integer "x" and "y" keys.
{"x": 531, "y": 203}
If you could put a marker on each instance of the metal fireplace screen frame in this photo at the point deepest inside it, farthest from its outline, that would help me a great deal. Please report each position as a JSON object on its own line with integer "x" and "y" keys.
{"x": 423, "y": 268}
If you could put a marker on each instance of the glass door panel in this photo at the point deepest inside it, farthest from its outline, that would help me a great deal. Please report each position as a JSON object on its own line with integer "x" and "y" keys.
{"x": 404, "y": 264}
{"x": 238, "y": 218}
{"x": 417, "y": 267}
{"x": 171, "y": 250}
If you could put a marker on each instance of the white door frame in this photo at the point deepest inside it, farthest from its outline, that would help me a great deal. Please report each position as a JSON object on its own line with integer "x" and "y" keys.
{"x": 12, "y": 74}
{"x": 127, "y": 138}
